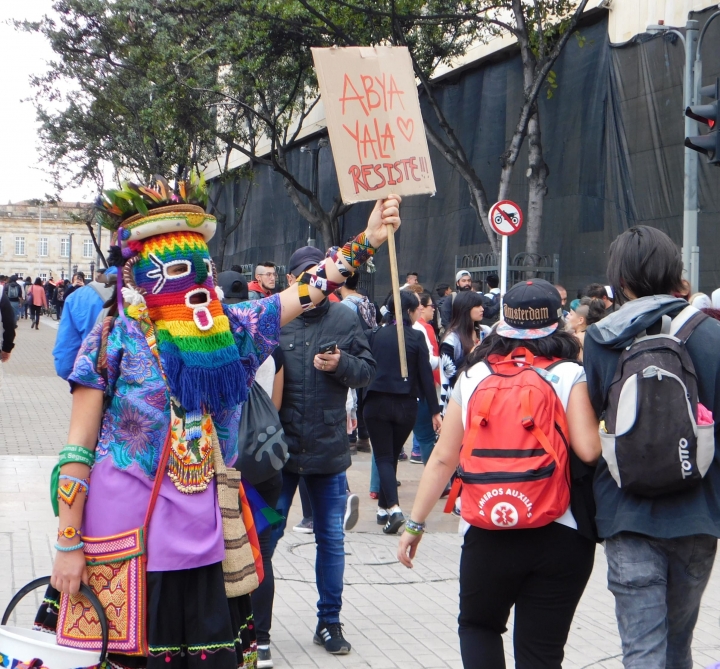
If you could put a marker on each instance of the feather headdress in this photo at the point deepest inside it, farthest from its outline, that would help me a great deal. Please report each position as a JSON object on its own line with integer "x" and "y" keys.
{"x": 118, "y": 205}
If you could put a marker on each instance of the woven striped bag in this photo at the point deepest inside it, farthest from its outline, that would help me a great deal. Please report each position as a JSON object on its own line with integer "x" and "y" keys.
{"x": 239, "y": 569}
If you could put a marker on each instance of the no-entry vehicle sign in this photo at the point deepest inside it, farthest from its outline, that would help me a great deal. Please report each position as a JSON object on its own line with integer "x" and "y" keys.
{"x": 505, "y": 218}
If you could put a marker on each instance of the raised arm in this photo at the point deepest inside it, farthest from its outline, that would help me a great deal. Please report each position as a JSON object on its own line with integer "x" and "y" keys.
{"x": 301, "y": 296}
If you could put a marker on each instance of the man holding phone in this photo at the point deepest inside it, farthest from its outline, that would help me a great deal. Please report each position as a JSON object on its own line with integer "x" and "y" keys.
{"x": 325, "y": 353}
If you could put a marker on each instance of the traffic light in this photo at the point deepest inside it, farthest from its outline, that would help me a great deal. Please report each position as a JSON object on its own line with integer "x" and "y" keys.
{"x": 709, "y": 115}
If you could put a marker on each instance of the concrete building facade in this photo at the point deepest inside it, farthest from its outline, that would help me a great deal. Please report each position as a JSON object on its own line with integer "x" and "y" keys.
{"x": 45, "y": 241}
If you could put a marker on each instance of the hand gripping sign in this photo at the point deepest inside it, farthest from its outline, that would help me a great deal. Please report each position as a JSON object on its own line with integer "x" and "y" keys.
{"x": 505, "y": 217}
{"x": 374, "y": 122}
{"x": 377, "y": 133}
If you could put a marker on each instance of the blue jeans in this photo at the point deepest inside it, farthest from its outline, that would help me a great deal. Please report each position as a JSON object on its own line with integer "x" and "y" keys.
{"x": 374, "y": 476}
{"x": 423, "y": 432}
{"x": 658, "y": 585}
{"x": 327, "y": 496}
{"x": 17, "y": 306}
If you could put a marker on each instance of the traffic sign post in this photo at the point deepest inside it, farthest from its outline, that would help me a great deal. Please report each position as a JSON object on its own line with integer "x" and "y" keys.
{"x": 506, "y": 219}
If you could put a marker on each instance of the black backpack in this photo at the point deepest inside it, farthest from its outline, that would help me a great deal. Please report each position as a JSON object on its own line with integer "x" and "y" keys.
{"x": 14, "y": 291}
{"x": 650, "y": 437}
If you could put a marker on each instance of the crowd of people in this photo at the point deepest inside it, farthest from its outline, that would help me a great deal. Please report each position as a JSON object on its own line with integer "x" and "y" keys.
{"x": 518, "y": 406}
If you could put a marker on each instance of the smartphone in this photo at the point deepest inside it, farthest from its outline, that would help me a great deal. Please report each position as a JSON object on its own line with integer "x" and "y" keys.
{"x": 329, "y": 347}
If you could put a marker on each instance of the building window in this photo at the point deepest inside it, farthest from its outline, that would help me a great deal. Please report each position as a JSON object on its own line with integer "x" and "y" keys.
{"x": 43, "y": 276}
{"x": 19, "y": 246}
{"x": 65, "y": 247}
{"x": 88, "y": 248}
{"x": 42, "y": 246}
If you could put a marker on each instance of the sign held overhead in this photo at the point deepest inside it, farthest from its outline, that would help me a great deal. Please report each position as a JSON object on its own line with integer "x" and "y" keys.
{"x": 374, "y": 122}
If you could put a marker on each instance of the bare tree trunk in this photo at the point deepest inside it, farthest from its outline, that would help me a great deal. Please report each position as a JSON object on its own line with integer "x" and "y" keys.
{"x": 537, "y": 184}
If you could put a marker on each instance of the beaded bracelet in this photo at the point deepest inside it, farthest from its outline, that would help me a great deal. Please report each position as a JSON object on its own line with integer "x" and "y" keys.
{"x": 69, "y": 549}
{"x": 69, "y": 532}
{"x": 68, "y": 492}
{"x": 414, "y": 528}
{"x": 71, "y": 453}
{"x": 358, "y": 251}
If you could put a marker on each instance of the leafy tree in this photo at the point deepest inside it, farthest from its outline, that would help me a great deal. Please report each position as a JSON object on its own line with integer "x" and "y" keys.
{"x": 436, "y": 31}
{"x": 111, "y": 94}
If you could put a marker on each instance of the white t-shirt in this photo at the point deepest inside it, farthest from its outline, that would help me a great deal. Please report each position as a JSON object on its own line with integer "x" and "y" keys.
{"x": 568, "y": 374}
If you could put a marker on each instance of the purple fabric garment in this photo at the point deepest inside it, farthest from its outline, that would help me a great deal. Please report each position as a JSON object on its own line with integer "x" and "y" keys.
{"x": 185, "y": 530}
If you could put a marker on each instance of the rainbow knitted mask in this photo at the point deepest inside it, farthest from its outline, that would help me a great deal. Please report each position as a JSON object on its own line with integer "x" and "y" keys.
{"x": 197, "y": 349}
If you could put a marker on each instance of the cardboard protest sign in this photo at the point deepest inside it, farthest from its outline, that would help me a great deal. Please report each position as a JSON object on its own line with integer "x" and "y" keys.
{"x": 374, "y": 121}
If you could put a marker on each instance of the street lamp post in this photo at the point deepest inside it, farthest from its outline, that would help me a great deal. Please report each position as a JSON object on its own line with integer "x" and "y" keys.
{"x": 322, "y": 142}
{"x": 692, "y": 82}
{"x": 690, "y": 188}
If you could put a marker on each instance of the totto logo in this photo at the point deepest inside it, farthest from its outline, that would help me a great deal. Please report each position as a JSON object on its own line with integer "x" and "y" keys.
{"x": 685, "y": 464}
{"x": 504, "y": 514}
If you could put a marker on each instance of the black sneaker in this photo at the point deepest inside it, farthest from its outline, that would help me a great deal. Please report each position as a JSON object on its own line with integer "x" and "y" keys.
{"x": 264, "y": 659}
{"x": 382, "y": 518}
{"x": 330, "y": 635}
{"x": 394, "y": 523}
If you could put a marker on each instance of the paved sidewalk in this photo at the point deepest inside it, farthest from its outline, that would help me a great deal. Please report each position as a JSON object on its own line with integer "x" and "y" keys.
{"x": 395, "y": 618}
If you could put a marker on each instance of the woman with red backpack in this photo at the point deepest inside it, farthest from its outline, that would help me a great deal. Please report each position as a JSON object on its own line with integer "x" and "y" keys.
{"x": 521, "y": 428}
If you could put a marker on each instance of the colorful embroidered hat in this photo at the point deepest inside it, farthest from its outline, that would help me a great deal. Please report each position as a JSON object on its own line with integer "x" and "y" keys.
{"x": 137, "y": 212}
{"x": 172, "y": 218}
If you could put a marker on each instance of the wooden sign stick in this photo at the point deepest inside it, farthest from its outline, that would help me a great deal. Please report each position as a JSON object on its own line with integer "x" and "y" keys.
{"x": 395, "y": 277}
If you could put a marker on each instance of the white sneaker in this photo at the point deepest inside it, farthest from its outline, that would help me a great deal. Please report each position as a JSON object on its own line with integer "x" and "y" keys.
{"x": 305, "y": 526}
{"x": 352, "y": 511}
{"x": 264, "y": 659}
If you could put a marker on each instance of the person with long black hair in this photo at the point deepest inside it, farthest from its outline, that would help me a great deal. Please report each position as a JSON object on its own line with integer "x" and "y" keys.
{"x": 461, "y": 336}
{"x": 391, "y": 403}
{"x": 540, "y": 570}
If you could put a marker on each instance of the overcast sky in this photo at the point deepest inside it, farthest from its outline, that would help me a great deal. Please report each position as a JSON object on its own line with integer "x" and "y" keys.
{"x": 21, "y": 55}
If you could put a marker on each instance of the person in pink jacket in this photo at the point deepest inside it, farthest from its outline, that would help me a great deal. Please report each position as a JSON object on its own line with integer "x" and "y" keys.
{"x": 39, "y": 302}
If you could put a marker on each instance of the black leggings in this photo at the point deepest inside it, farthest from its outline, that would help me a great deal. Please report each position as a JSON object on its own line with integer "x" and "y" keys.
{"x": 263, "y": 596}
{"x": 389, "y": 419}
{"x": 542, "y": 572}
{"x": 36, "y": 311}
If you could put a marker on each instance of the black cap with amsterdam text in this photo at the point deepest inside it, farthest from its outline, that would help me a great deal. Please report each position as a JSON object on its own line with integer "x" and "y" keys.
{"x": 531, "y": 310}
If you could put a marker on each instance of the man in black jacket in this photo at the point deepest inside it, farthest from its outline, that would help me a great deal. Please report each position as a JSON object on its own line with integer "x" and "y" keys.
{"x": 314, "y": 417}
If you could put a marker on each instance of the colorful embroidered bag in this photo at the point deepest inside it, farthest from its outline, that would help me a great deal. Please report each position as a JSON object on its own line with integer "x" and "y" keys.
{"x": 116, "y": 569}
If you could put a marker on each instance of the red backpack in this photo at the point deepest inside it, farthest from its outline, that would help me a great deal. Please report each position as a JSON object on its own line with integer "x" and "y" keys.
{"x": 514, "y": 464}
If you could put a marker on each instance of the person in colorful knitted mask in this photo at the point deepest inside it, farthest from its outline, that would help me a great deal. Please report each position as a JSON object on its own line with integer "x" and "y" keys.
{"x": 158, "y": 389}
{"x": 197, "y": 350}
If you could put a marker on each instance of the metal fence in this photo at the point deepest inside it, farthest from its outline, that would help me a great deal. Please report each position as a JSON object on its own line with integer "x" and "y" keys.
{"x": 521, "y": 267}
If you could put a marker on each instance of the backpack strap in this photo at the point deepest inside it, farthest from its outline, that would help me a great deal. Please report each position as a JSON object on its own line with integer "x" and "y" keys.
{"x": 684, "y": 324}
{"x": 528, "y": 422}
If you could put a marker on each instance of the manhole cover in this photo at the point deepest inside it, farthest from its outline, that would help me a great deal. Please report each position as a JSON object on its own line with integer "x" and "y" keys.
{"x": 357, "y": 551}
{"x": 372, "y": 559}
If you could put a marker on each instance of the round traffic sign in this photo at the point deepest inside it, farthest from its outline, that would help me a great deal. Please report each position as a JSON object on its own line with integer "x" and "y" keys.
{"x": 505, "y": 217}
